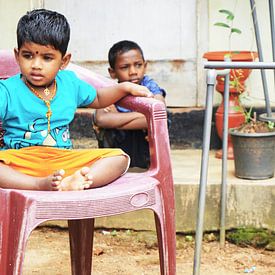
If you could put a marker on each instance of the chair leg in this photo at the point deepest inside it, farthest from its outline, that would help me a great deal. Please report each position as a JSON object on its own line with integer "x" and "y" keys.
{"x": 167, "y": 245}
{"x": 4, "y": 233}
{"x": 14, "y": 233}
{"x": 81, "y": 234}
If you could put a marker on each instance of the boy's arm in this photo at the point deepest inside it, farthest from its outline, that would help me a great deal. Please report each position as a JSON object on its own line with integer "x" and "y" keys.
{"x": 110, "y": 118}
{"x": 109, "y": 95}
{"x": 139, "y": 122}
{"x": 125, "y": 121}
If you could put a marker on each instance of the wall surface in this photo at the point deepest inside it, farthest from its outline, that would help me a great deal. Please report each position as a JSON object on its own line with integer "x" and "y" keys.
{"x": 173, "y": 34}
{"x": 10, "y": 11}
{"x": 160, "y": 27}
{"x": 165, "y": 31}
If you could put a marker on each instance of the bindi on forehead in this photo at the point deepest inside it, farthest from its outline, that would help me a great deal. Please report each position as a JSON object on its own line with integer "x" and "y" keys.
{"x": 37, "y": 52}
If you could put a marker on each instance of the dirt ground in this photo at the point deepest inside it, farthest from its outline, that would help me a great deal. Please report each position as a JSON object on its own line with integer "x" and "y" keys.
{"x": 126, "y": 252}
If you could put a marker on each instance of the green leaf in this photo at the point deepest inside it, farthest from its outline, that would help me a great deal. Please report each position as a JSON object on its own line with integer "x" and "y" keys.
{"x": 237, "y": 108}
{"x": 189, "y": 238}
{"x": 270, "y": 124}
{"x": 236, "y": 52}
{"x": 114, "y": 233}
{"x": 220, "y": 24}
{"x": 230, "y": 16}
{"x": 236, "y": 30}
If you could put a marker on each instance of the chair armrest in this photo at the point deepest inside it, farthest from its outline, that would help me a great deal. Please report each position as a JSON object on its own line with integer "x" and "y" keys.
{"x": 96, "y": 80}
{"x": 156, "y": 115}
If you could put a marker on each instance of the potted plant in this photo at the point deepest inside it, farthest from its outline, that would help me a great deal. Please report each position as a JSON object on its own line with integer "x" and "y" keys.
{"x": 254, "y": 148}
{"x": 237, "y": 80}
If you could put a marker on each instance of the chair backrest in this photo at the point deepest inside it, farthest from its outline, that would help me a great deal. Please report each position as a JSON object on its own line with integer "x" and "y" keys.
{"x": 8, "y": 64}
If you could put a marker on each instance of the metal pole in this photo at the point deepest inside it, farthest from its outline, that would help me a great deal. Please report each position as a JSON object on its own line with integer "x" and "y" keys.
{"x": 211, "y": 80}
{"x": 224, "y": 160}
{"x": 238, "y": 65}
{"x": 260, "y": 53}
{"x": 272, "y": 28}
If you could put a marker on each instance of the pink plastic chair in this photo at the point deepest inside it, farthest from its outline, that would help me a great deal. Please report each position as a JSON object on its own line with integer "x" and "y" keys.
{"x": 21, "y": 210}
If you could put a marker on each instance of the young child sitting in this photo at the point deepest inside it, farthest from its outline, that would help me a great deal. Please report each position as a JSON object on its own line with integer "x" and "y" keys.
{"x": 37, "y": 106}
{"x": 116, "y": 126}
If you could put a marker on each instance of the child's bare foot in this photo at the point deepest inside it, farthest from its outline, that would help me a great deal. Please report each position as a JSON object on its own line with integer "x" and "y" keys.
{"x": 80, "y": 180}
{"x": 52, "y": 182}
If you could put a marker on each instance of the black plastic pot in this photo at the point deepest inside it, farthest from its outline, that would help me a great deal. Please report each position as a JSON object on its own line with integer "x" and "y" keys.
{"x": 254, "y": 154}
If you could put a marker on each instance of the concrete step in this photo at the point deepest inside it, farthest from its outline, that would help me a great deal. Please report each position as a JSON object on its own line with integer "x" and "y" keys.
{"x": 250, "y": 203}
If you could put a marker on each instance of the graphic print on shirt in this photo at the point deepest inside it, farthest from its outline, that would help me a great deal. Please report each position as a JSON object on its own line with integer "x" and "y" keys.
{"x": 38, "y": 135}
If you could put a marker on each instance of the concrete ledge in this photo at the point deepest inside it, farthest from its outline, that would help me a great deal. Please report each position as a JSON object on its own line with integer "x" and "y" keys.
{"x": 249, "y": 203}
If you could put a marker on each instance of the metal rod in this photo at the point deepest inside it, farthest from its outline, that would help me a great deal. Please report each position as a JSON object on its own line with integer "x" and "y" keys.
{"x": 260, "y": 53}
{"x": 272, "y": 28}
{"x": 211, "y": 80}
{"x": 238, "y": 65}
{"x": 224, "y": 160}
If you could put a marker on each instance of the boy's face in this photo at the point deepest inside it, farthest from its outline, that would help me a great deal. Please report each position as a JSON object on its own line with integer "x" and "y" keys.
{"x": 129, "y": 66}
{"x": 39, "y": 64}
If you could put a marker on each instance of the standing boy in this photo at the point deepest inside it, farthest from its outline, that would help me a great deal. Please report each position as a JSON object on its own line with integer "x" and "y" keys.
{"x": 37, "y": 106}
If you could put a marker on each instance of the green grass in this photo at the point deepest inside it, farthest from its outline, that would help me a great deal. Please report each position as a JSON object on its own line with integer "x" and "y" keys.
{"x": 251, "y": 237}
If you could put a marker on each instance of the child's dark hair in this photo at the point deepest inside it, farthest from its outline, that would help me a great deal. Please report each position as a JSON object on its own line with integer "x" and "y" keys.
{"x": 44, "y": 27}
{"x": 120, "y": 48}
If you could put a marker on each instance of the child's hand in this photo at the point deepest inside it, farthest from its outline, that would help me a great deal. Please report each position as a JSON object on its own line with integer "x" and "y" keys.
{"x": 111, "y": 109}
{"x": 138, "y": 90}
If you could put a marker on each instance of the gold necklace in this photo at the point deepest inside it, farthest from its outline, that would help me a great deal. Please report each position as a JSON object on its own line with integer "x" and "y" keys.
{"x": 46, "y": 101}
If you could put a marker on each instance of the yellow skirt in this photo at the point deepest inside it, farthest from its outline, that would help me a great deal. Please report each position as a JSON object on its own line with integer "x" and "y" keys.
{"x": 40, "y": 161}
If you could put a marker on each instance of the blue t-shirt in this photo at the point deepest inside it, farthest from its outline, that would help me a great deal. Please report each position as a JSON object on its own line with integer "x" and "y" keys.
{"x": 24, "y": 114}
{"x": 151, "y": 85}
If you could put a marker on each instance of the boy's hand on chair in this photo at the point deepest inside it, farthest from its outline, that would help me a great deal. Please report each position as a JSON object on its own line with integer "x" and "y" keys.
{"x": 138, "y": 90}
{"x": 111, "y": 109}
